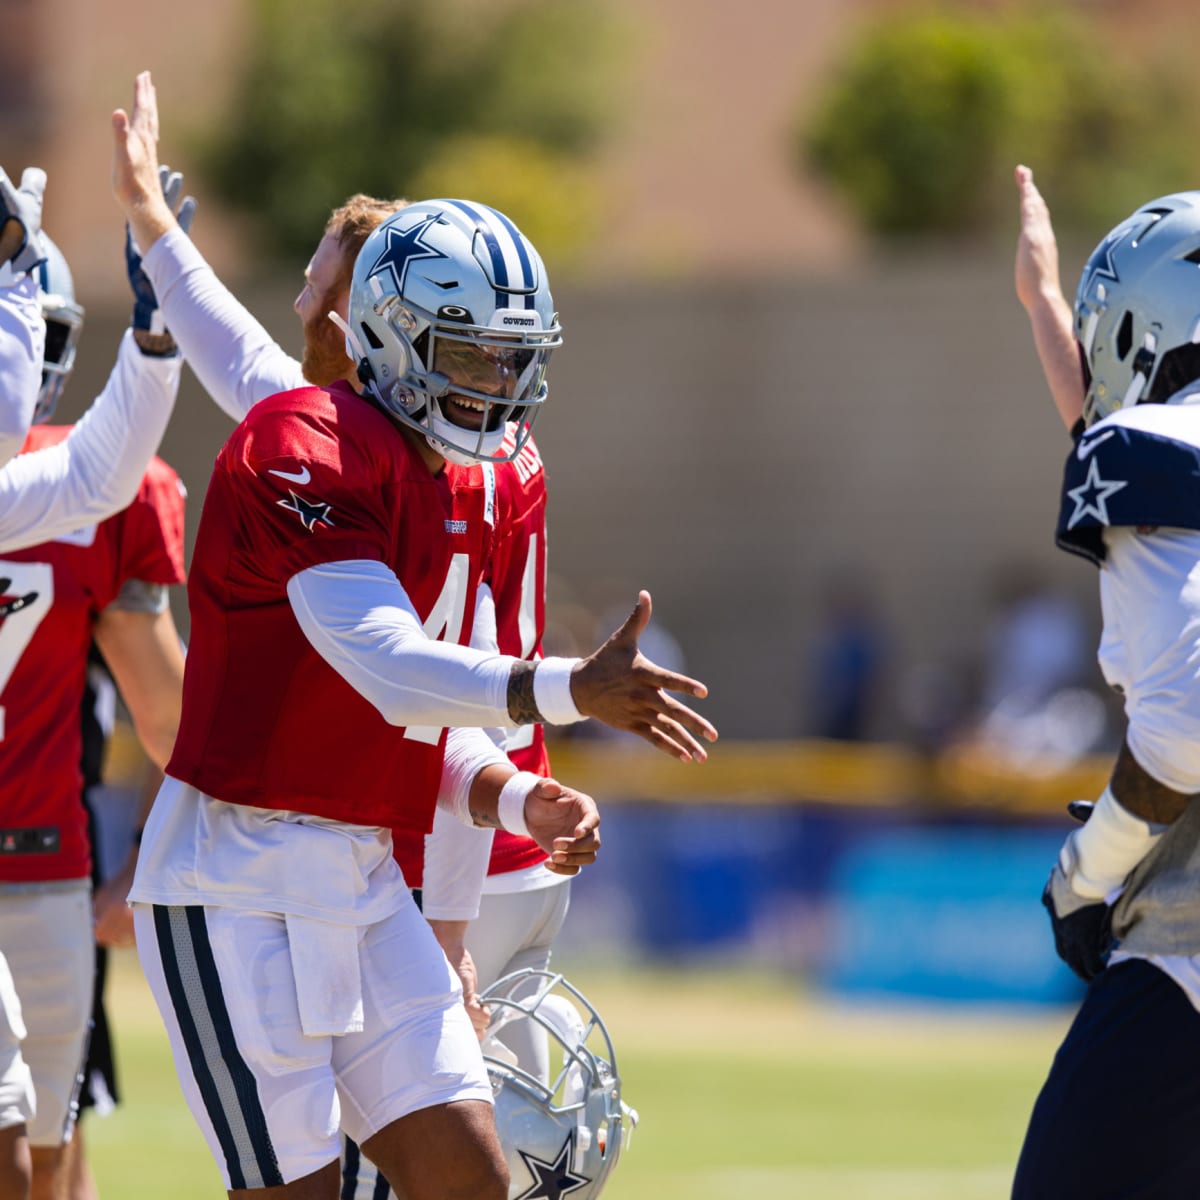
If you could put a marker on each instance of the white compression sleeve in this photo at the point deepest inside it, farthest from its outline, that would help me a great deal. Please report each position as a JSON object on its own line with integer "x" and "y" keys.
{"x": 233, "y": 356}
{"x": 96, "y": 470}
{"x": 22, "y": 341}
{"x": 359, "y": 618}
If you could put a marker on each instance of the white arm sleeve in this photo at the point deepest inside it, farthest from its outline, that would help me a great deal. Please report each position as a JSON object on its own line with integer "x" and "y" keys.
{"x": 457, "y": 852}
{"x": 360, "y": 620}
{"x": 22, "y": 341}
{"x": 96, "y": 470}
{"x": 233, "y": 356}
{"x": 1150, "y": 594}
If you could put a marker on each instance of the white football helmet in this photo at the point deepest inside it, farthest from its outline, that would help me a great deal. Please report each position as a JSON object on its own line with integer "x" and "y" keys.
{"x": 64, "y": 323}
{"x": 452, "y": 324}
{"x": 1137, "y": 309}
{"x": 562, "y": 1137}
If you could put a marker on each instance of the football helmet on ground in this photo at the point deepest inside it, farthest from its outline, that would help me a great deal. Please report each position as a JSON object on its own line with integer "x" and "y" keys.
{"x": 562, "y": 1136}
{"x": 64, "y": 323}
{"x": 451, "y": 323}
{"x": 1137, "y": 308}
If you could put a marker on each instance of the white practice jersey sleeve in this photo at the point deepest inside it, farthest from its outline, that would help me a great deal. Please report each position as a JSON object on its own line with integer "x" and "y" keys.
{"x": 456, "y": 853}
{"x": 1150, "y": 649}
{"x": 22, "y": 342}
{"x": 359, "y": 618}
{"x": 96, "y": 470}
{"x": 234, "y": 357}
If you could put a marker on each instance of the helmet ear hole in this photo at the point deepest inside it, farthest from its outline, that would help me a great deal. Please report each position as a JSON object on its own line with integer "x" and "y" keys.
{"x": 1125, "y": 336}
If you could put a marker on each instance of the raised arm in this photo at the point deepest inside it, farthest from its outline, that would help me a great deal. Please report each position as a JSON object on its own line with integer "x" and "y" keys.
{"x": 234, "y": 357}
{"x": 1040, "y": 292}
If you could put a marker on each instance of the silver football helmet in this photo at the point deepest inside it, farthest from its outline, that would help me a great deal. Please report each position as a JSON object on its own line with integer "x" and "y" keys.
{"x": 562, "y": 1136}
{"x": 64, "y": 323}
{"x": 1137, "y": 309}
{"x": 452, "y": 324}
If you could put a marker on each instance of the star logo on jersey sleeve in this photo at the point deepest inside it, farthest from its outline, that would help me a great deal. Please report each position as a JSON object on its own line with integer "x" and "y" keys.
{"x": 403, "y": 245}
{"x": 1092, "y": 495}
{"x": 310, "y": 512}
{"x": 552, "y": 1181}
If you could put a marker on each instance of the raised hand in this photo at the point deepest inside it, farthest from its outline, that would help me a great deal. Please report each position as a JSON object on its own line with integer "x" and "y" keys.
{"x": 565, "y": 823}
{"x": 135, "y": 172}
{"x": 1036, "y": 269}
{"x": 620, "y": 686}
{"x": 21, "y": 220}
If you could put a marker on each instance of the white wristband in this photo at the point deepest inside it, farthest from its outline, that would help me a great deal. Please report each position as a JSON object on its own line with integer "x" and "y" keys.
{"x": 1107, "y": 848}
{"x": 552, "y": 691}
{"x": 511, "y": 807}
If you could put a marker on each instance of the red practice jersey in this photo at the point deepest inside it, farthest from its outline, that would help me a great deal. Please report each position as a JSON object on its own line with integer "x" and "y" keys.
{"x": 50, "y": 596}
{"x": 318, "y": 476}
{"x": 516, "y": 573}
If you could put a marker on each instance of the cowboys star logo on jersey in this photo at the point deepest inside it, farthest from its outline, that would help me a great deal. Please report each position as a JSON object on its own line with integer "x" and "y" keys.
{"x": 1092, "y": 495}
{"x": 552, "y": 1181}
{"x": 310, "y": 512}
{"x": 13, "y": 604}
{"x": 402, "y": 247}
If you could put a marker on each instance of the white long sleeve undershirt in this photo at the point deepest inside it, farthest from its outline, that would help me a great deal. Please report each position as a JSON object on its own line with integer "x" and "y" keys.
{"x": 234, "y": 357}
{"x": 96, "y": 470}
{"x": 22, "y": 343}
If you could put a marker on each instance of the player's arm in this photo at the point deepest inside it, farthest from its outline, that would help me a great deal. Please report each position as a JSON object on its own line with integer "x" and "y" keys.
{"x": 22, "y": 330}
{"x": 1040, "y": 292}
{"x": 233, "y": 356}
{"x": 96, "y": 470}
{"x": 359, "y": 619}
{"x": 145, "y": 655}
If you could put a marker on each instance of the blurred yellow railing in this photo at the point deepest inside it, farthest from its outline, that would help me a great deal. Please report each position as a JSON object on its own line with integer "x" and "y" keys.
{"x": 776, "y": 772}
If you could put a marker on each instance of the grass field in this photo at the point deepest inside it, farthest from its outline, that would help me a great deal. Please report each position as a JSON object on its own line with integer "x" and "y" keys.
{"x": 745, "y": 1087}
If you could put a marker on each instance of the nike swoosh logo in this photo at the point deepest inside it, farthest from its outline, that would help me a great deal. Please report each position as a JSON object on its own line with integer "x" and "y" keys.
{"x": 1085, "y": 448}
{"x": 300, "y": 477}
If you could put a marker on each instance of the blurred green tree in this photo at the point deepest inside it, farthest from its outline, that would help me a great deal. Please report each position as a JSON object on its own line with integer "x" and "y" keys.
{"x": 924, "y": 120}
{"x": 394, "y": 97}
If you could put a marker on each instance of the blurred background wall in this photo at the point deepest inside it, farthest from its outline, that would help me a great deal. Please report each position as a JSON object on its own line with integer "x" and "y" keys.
{"x": 810, "y": 422}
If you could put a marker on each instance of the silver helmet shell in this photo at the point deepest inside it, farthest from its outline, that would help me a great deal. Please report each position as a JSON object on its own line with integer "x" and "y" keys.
{"x": 562, "y": 1136}
{"x": 1138, "y": 307}
{"x": 452, "y": 324}
{"x": 64, "y": 324}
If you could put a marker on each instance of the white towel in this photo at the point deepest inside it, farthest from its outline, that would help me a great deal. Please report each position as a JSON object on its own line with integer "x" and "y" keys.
{"x": 328, "y": 980}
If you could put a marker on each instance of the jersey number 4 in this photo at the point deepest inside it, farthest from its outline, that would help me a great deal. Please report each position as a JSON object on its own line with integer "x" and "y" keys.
{"x": 26, "y": 594}
{"x": 444, "y": 624}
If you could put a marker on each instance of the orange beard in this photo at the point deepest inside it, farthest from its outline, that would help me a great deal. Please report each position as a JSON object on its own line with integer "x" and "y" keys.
{"x": 325, "y": 358}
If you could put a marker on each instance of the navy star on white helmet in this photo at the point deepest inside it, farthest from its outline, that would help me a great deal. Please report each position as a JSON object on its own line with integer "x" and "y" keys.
{"x": 562, "y": 1136}
{"x": 452, "y": 324}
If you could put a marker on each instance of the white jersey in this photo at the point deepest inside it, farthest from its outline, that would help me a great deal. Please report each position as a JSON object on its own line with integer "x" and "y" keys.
{"x": 96, "y": 471}
{"x": 233, "y": 356}
{"x": 22, "y": 341}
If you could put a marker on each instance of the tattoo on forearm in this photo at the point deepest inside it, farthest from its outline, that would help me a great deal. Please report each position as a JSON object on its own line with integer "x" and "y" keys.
{"x": 485, "y": 820}
{"x": 1143, "y": 796}
{"x": 522, "y": 707}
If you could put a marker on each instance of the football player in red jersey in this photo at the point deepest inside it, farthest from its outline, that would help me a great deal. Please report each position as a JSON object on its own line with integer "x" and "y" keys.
{"x": 341, "y": 534}
{"x": 108, "y": 581}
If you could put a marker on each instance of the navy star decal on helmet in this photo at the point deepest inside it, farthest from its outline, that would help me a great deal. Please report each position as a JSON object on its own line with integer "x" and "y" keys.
{"x": 562, "y": 1136}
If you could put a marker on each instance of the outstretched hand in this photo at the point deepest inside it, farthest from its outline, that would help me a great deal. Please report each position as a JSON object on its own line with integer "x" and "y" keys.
{"x": 135, "y": 175}
{"x": 1037, "y": 250}
{"x": 565, "y": 823}
{"x": 620, "y": 686}
{"x": 21, "y": 241}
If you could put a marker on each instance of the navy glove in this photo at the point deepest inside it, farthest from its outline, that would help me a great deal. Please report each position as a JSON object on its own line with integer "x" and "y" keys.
{"x": 24, "y": 205}
{"x": 147, "y": 319}
{"x": 1083, "y": 936}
